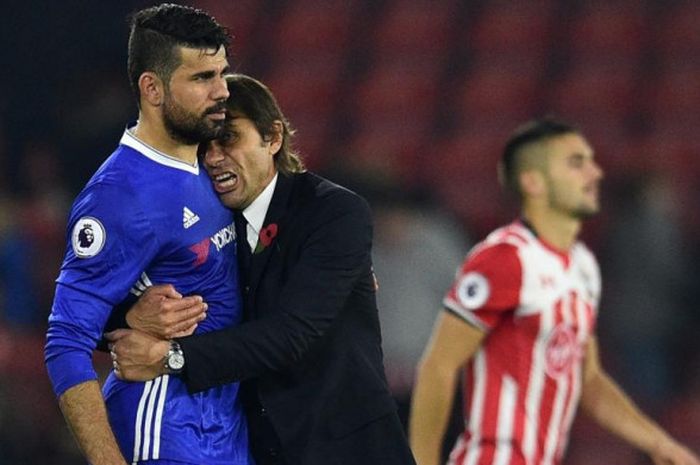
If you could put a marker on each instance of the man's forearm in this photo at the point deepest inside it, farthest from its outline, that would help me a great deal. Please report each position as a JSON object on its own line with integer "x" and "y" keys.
{"x": 610, "y": 407}
{"x": 84, "y": 410}
{"x": 430, "y": 410}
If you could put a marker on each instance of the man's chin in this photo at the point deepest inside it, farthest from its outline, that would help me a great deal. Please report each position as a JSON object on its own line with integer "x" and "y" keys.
{"x": 586, "y": 213}
{"x": 230, "y": 200}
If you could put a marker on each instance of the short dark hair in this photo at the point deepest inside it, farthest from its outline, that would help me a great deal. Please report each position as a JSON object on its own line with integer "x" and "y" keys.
{"x": 156, "y": 32}
{"x": 255, "y": 101}
{"x": 531, "y": 132}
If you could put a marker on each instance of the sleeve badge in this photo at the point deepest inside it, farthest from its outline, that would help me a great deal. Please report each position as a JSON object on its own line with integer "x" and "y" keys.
{"x": 88, "y": 237}
{"x": 473, "y": 290}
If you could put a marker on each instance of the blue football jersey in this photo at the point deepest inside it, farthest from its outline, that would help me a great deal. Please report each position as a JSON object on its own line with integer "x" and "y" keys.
{"x": 146, "y": 218}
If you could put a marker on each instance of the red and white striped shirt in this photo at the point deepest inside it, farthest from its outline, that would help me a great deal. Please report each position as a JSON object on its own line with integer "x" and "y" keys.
{"x": 538, "y": 306}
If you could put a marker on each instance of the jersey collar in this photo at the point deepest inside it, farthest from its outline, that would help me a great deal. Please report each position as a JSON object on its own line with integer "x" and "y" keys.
{"x": 130, "y": 140}
{"x": 564, "y": 255}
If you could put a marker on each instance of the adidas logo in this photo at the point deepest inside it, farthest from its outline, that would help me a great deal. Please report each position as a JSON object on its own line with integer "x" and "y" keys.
{"x": 188, "y": 217}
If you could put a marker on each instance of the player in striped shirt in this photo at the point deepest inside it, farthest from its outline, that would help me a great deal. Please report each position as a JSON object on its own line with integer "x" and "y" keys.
{"x": 150, "y": 215}
{"x": 521, "y": 314}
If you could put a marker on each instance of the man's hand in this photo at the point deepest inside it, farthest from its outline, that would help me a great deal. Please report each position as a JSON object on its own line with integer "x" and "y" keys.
{"x": 669, "y": 452}
{"x": 163, "y": 312}
{"x": 137, "y": 356}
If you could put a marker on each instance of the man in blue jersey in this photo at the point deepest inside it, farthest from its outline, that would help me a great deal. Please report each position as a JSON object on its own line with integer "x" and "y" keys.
{"x": 149, "y": 215}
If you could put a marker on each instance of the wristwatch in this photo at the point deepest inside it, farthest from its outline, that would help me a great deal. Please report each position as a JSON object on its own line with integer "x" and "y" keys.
{"x": 174, "y": 360}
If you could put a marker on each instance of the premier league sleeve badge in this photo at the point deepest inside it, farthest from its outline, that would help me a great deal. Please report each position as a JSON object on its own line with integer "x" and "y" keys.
{"x": 88, "y": 237}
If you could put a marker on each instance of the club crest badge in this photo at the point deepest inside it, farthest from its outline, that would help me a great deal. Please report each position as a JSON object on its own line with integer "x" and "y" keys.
{"x": 562, "y": 351}
{"x": 88, "y": 237}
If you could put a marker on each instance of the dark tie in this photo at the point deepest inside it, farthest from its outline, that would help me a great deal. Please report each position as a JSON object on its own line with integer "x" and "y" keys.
{"x": 242, "y": 246}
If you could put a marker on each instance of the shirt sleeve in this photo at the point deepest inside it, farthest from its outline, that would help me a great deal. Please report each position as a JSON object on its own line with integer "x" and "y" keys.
{"x": 109, "y": 245}
{"x": 487, "y": 286}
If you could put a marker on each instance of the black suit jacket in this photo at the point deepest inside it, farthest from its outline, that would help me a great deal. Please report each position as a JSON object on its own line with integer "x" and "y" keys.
{"x": 309, "y": 353}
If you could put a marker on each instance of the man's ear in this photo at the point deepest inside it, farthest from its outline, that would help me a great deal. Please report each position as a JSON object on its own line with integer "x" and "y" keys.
{"x": 532, "y": 183}
{"x": 276, "y": 138}
{"x": 151, "y": 88}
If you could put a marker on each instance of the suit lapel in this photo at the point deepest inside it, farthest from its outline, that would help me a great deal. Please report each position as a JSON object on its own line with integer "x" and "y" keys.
{"x": 273, "y": 226}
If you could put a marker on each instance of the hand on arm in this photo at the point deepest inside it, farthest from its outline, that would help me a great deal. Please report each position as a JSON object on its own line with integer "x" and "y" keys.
{"x": 138, "y": 355}
{"x": 608, "y": 405}
{"x": 452, "y": 343}
{"x": 160, "y": 314}
{"x": 163, "y": 312}
{"x": 84, "y": 409}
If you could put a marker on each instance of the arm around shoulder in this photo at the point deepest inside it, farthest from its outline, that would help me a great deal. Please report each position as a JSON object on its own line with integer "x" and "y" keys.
{"x": 332, "y": 243}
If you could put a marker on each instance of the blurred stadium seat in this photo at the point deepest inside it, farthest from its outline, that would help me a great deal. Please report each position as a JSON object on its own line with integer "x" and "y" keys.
{"x": 617, "y": 30}
{"x": 511, "y": 28}
{"x": 314, "y": 27}
{"x": 678, "y": 36}
{"x": 415, "y": 27}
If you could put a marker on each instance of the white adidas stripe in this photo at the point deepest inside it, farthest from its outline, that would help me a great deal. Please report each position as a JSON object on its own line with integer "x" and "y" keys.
{"x": 159, "y": 417}
{"x": 139, "y": 416}
{"x": 149, "y": 419}
{"x": 141, "y": 285}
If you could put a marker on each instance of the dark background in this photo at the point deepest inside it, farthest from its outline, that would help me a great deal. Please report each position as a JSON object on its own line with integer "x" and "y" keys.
{"x": 408, "y": 102}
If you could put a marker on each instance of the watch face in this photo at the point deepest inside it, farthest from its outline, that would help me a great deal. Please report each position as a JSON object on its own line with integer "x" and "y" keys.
{"x": 176, "y": 361}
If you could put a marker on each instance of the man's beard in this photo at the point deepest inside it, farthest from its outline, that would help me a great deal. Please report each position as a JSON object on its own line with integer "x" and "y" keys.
{"x": 580, "y": 212}
{"x": 188, "y": 128}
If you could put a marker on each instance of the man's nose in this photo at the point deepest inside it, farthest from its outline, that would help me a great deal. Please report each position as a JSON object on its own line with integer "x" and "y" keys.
{"x": 213, "y": 156}
{"x": 597, "y": 171}
{"x": 221, "y": 89}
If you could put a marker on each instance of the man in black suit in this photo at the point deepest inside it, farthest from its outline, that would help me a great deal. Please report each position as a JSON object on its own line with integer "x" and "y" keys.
{"x": 309, "y": 353}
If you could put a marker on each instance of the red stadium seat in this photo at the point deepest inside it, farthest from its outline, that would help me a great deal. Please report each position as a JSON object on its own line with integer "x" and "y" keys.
{"x": 310, "y": 83}
{"x": 597, "y": 90}
{"x": 463, "y": 169}
{"x": 240, "y": 18}
{"x": 391, "y": 144}
{"x": 511, "y": 28}
{"x": 614, "y": 29}
{"x": 314, "y": 26}
{"x": 308, "y": 92}
{"x": 675, "y": 95}
{"x": 397, "y": 89}
{"x": 493, "y": 94}
{"x": 678, "y": 36}
{"x": 312, "y": 134}
{"x": 415, "y": 27}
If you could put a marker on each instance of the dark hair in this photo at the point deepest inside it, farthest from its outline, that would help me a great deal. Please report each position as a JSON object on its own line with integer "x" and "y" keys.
{"x": 532, "y": 132}
{"x": 156, "y": 32}
{"x": 255, "y": 101}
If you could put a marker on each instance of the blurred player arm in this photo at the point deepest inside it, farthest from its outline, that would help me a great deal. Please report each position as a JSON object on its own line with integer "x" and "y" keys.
{"x": 608, "y": 405}
{"x": 84, "y": 409}
{"x": 452, "y": 344}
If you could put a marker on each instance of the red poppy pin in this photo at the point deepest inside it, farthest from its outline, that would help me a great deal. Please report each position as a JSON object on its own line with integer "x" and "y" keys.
{"x": 267, "y": 235}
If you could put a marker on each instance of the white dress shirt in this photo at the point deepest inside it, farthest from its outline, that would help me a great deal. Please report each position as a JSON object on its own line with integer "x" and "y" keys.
{"x": 256, "y": 211}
